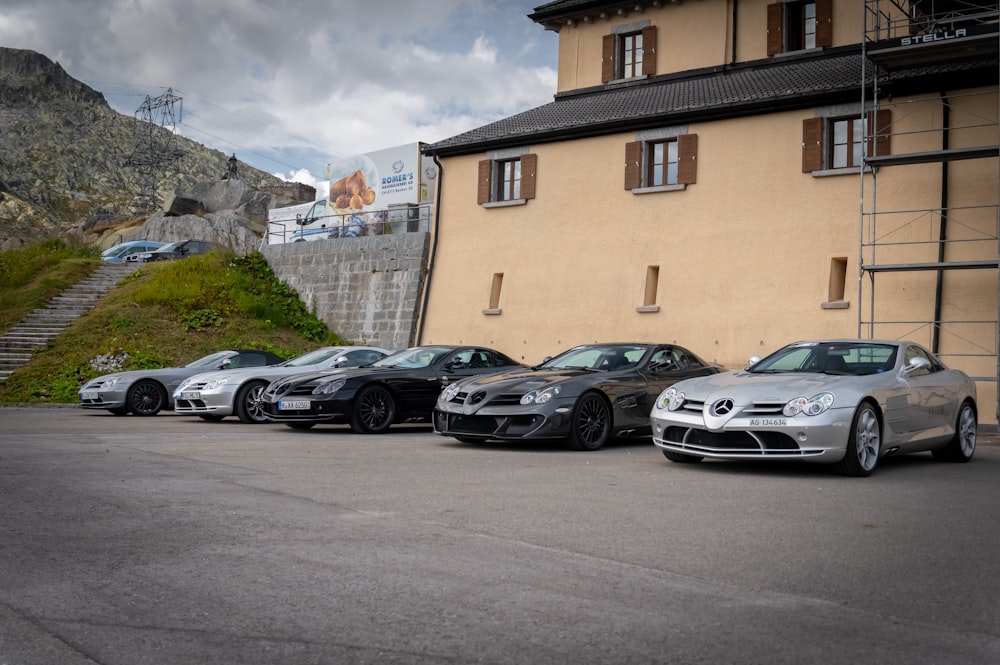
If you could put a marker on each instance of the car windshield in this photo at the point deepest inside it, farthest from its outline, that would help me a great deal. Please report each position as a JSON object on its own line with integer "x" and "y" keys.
{"x": 313, "y": 357}
{"x": 172, "y": 247}
{"x": 597, "y": 358}
{"x": 852, "y": 358}
{"x": 415, "y": 358}
{"x": 211, "y": 360}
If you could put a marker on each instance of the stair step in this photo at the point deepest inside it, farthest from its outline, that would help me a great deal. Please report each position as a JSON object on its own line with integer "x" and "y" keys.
{"x": 41, "y": 326}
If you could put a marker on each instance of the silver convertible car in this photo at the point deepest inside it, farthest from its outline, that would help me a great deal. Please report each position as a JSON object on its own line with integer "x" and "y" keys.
{"x": 145, "y": 392}
{"x": 844, "y": 402}
{"x": 215, "y": 395}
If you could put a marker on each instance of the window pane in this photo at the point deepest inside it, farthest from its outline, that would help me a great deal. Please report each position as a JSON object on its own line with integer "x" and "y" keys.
{"x": 672, "y": 163}
{"x": 809, "y": 26}
{"x": 840, "y": 131}
{"x": 839, "y": 156}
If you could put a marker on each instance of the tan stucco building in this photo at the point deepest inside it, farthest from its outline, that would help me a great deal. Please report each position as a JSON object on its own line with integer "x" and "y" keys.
{"x": 715, "y": 173}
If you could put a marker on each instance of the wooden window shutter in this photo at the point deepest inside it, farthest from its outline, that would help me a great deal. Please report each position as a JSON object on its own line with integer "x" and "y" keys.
{"x": 687, "y": 159}
{"x": 812, "y": 144}
{"x": 608, "y": 59}
{"x": 633, "y": 165}
{"x": 649, "y": 50}
{"x": 775, "y": 18}
{"x": 824, "y": 23}
{"x": 878, "y": 124}
{"x": 529, "y": 166}
{"x": 483, "y": 190}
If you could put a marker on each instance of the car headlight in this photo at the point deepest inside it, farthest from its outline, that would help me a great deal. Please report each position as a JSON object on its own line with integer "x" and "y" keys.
{"x": 329, "y": 387}
{"x": 450, "y": 392}
{"x": 112, "y": 381}
{"x": 539, "y": 396}
{"x": 670, "y": 399}
{"x": 808, "y": 406}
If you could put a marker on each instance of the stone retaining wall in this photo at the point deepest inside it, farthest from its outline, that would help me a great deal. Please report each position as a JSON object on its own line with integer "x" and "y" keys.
{"x": 367, "y": 289}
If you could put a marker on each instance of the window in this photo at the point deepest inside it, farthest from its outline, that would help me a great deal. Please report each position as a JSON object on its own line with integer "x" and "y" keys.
{"x": 649, "y": 292}
{"x": 661, "y": 162}
{"x": 662, "y": 168}
{"x": 838, "y": 284}
{"x": 495, "y": 289}
{"x": 837, "y": 142}
{"x": 846, "y": 135}
{"x": 507, "y": 180}
{"x": 796, "y": 25}
{"x": 628, "y": 54}
{"x": 652, "y": 280}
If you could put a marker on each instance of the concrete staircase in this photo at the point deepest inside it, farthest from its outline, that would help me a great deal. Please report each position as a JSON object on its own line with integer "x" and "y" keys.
{"x": 37, "y": 329}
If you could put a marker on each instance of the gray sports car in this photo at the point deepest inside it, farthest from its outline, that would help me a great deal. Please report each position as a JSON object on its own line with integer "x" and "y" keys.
{"x": 585, "y": 395}
{"x": 145, "y": 392}
{"x": 215, "y": 395}
{"x": 847, "y": 402}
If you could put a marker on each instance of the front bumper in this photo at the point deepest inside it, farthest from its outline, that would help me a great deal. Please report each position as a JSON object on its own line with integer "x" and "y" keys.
{"x": 318, "y": 411}
{"x": 102, "y": 399}
{"x": 821, "y": 438}
{"x": 502, "y": 423}
{"x": 215, "y": 402}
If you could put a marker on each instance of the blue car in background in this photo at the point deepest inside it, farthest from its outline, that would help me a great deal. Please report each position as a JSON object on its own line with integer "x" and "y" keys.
{"x": 117, "y": 253}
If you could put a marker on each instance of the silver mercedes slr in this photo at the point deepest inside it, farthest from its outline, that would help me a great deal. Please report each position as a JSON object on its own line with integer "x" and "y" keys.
{"x": 845, "y": 402}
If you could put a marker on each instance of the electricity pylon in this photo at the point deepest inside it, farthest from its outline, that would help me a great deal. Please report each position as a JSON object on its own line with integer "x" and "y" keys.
{"x": 154, "y": 147}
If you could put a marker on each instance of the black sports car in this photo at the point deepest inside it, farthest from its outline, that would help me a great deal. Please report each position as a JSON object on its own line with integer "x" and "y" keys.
{"x": 585, "y": 395}
{"x": 399, "y": 388}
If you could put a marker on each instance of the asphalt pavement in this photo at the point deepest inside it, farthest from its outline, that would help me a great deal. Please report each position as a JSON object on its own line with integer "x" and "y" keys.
{"x": 126, "y": 541}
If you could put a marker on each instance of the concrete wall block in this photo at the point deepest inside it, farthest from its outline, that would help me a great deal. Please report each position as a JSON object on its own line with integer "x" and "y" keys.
{"x": 366, "y": 289}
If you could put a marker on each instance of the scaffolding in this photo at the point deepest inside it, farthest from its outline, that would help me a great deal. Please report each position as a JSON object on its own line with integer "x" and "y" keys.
{"x": 930, "y": 196}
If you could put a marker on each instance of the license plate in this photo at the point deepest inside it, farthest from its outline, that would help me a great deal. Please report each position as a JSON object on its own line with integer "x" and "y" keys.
{"x": 768, "y": 422}
{"x": 88, "y": 395}
{"x": 293, "y": 405}
{"x": 191, "y": 394}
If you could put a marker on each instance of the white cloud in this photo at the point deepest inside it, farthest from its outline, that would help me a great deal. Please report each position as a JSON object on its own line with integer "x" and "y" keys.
{"x": 289, "y": 85}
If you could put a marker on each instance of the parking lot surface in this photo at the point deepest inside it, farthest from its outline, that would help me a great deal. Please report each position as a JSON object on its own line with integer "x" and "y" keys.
{"x": 127, "y": 540}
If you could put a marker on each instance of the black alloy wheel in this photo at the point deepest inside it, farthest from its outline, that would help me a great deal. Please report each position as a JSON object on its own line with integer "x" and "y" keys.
{"x": 374, "y": 410}
{"x": 146, "y": 398}
{"x": 590, "y": 426}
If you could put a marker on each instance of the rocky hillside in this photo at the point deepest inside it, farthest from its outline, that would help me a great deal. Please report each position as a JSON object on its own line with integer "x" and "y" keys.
{"x": 70, "y": 163}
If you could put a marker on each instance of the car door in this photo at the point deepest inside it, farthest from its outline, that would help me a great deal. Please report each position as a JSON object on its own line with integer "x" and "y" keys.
{"x": 930, "y": 399}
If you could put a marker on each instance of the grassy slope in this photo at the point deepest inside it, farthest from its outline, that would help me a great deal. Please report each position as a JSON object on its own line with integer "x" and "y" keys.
{"x": 166, "y": 314}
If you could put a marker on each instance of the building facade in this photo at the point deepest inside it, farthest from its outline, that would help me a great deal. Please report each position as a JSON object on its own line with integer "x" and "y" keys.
{"x": 734, "y": 175}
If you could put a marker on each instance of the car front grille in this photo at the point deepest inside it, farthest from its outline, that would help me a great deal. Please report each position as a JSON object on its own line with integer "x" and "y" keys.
{"x": 761, "y": 443}
{"x": 477, "y": 397}
{"x": 757, "y": 408}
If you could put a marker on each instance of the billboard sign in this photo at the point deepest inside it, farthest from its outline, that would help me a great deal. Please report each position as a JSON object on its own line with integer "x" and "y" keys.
{"x": 377, "y": 180}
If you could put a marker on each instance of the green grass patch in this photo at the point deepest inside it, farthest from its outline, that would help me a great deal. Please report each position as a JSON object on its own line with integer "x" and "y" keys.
{"x": 168, "y": 314}
{"x": 32, "y": 276}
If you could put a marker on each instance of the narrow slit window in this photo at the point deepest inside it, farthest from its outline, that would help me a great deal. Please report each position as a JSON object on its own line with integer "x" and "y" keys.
{"x": 652, "y": 280}
{"x": 495, "y": 290}
{"x": 838, "y": 279}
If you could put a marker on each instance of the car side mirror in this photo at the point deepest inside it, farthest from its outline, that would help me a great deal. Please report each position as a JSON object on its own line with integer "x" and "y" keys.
{"x": 752, "y": 361}
{"x": 917, "y": 364}
{"x": 225, "y": 363}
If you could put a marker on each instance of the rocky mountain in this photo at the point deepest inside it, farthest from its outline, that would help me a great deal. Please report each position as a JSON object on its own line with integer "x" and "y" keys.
{"x": 70, "y": 164}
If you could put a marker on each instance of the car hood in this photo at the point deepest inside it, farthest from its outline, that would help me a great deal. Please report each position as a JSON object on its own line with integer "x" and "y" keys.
{"x": 264, "y": 371}
{"x": 745, "y": 387}
{"x": 319, "y": 376}
{"x": 527, "y": 380}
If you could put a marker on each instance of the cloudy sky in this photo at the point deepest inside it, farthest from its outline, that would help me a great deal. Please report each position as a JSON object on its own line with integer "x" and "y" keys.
{"x": 289, "y": 85}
